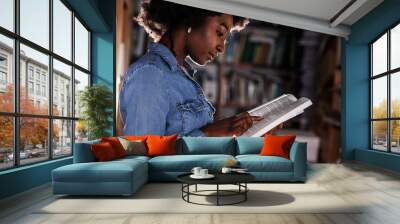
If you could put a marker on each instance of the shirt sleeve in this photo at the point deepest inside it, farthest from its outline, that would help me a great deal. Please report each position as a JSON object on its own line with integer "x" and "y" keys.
{"x": 144, "y": 102}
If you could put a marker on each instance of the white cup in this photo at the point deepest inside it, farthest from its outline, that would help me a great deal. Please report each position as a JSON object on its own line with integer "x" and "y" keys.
{"x": 203, "y": 172}
{"x": 226, "y": 170}
{"x": 196, "y": 170}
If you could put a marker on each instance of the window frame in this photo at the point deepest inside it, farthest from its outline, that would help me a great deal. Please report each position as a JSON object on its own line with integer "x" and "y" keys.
{"x": 16, "y": 114}
{"x": 388, "y": 74}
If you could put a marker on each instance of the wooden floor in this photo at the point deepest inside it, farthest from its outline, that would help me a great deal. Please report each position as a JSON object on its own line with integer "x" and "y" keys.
{"x": 379, "y": 189}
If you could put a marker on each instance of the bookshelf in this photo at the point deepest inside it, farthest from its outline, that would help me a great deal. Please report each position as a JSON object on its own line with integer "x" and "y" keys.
{"x": 327, "y": 122}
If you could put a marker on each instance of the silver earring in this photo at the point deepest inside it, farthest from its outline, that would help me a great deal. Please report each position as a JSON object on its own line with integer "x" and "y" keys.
{"x": 189, "y": 30}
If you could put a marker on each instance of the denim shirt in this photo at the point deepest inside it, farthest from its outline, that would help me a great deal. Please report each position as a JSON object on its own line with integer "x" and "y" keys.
{"x": 160, "y": 97}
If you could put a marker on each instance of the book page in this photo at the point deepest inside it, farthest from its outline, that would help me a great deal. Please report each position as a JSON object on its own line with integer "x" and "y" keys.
{"x": 276, "y": 112}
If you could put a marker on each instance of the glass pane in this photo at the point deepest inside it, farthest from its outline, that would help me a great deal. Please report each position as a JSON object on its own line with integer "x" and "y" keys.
{"x": 62, "y": 138}
{"x": 395, "y": 47}
{"x": 81, "y": 81}
{"x": 379, "y": 55}
{"x": 379, "y": 97}
{"x": 33, "y": 139}
{"x": 34, "y": 97}
{"x": 62, "y": 29}
{"x": 6, "y": 74}
{"x": 81, "y": 131}
{"x": 395, "y": 136}
{"x": 81, "y": 45}
{"x": 62, "y": 89}
{"x": 379, "y": 135}
{"x": 7, "y": 14}
{"x": 6, "y": 142}
{"x": 395, "y": 94}
{"x": 35, "y": 21}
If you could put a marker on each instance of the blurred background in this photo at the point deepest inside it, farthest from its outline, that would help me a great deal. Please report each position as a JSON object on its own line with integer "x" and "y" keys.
{"x": 260, "y": 63}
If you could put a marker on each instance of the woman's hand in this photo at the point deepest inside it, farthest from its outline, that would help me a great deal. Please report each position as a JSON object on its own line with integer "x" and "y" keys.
{"x": 230, "y": 126}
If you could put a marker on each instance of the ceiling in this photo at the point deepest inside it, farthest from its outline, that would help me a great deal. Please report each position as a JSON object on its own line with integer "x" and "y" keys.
{"x": 333, "y": 17}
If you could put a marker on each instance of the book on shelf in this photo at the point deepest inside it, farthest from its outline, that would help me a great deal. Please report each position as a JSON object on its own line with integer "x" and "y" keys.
{"x": 276, "y": 112}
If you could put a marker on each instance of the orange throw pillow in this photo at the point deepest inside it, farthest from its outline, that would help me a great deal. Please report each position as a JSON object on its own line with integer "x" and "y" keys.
{"x": 116, "y": 145}
{"x": 161, "y": 145}
{"x": 277, "y": 145}
{"x": 103, "y": 151}
{"x": 135, "y": 137}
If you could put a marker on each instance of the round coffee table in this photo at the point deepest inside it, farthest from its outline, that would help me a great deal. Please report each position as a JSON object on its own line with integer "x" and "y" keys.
{"x": 238, "y": 179}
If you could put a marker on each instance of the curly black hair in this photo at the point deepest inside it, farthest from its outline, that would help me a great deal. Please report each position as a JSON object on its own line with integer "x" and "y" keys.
{"x": 159, "y": 16}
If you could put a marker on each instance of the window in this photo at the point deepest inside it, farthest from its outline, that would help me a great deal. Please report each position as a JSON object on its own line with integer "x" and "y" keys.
{"x": 81, "y": 81}
{"x": 6, "y": 89}
{"x": 3, "y": 78}
{"x": 62, "y": 129}
{"x": 38, "y": 89}
{"x": 3, "y": 71}
{"x": 38, "y": 74}
{"x": 30, "y": 72}
{"x": 385, "y": 94}
{"x": 81, "y": 45}
{"x": 30, "y": 87}
{"x": 3, "y": 61}
{"x": 54, "y": 125}
{"x": 7, "y": 14}
{"x": 34, "y": 22}
{"x": 63, "y": 74}
{"x": 43, "y": 90}
{"x": 62, "y": 30}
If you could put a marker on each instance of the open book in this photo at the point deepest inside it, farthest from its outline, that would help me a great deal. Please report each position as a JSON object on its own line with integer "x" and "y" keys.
{"x": 276, "y": 112}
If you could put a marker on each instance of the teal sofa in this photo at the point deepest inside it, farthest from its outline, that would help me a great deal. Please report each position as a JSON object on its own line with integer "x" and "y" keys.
{"x": 125, "y": 176}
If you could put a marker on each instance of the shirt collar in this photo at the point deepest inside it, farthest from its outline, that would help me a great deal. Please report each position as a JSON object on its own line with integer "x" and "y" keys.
{"x": 166, "y": 54}
{"x": 191, "y": 70}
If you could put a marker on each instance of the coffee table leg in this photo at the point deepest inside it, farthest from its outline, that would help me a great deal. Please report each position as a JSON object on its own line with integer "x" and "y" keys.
{"x": 245, "y": 193}
{"x": 217, "y": 194}
{"x": 196, "y": 188}
{"x": 188, "y": 189}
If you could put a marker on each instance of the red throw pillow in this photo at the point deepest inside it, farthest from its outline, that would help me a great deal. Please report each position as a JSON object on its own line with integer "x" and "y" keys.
{"x": 275, "y": 145}
{"x": 161, "y": 145}
{"x": 116, "y": 145}
{"x": 103, "y": 151}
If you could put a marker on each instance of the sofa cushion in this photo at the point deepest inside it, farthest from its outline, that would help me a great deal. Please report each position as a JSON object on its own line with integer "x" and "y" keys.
{"x": 83, "y": 152}
{"x": 257, "y": 163}
{"x": 111, "y": 171}
{"x": 132, "y": 158}
{"x": 185, "y": 163}
{"x": 249, "y": 145}
{"x": 206, "y": 145}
